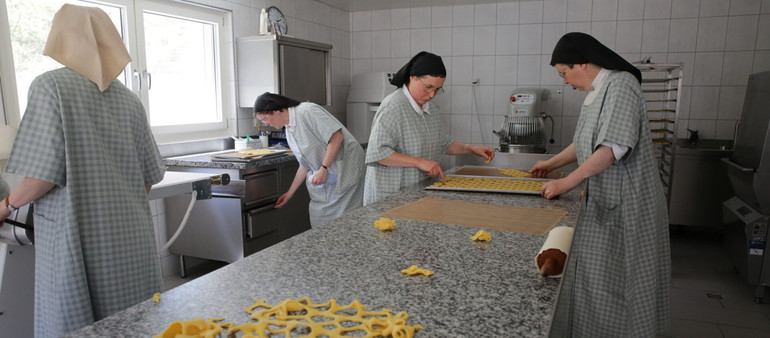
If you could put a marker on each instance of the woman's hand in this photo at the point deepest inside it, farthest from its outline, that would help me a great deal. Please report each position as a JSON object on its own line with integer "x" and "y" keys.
{"x": 483, "y": 151}
{"x": 555, "y": 188}
{"x": 430, "y": 167}
{"x": 319, "y": 177}
{"x": 283, "y": 200}
{"x": 540, "y": 169}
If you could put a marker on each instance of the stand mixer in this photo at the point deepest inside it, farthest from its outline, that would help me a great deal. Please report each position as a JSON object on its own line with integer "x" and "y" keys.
{"x": 523, "y": 130}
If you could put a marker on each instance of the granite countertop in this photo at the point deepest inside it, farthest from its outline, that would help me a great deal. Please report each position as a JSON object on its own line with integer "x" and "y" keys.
{"x": 492, "y": 291}
{"x": 205, "y": 161}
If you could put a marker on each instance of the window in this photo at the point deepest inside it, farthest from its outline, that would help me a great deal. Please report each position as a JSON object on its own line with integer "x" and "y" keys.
{"x": 179, "y": 57}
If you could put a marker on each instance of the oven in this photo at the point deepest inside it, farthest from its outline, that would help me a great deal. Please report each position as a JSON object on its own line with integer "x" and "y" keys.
{"x": 240, "y": 218}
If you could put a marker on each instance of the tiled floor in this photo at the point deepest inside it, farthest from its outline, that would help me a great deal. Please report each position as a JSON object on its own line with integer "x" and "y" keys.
{"x": 708, "y": 298}
{"x": 193, "y": 272}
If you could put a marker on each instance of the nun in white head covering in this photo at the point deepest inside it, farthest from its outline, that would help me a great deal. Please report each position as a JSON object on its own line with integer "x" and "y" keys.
{"x": 88, "y": 159}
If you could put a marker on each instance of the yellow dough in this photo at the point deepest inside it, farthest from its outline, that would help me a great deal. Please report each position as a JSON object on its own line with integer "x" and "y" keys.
{"x": 414, "y": 270}
{"x": 322, "y": 320}
{"x": 488, "y": 183}
{"x": 385, "y": 224}
{"x": 156, "y": 297}
{"x": 193, "y": 328}
{"x": 514, "y": 172}
{"x": 482, "y": 236}
{"x": 253, "y": 152}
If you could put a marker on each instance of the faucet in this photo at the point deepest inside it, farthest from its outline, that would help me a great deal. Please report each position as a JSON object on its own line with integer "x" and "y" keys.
{"x": 693, "y": 139}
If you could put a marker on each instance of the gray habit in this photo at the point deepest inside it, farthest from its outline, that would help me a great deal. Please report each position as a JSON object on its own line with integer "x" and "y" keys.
{"x": 617, "y": 279}
{"x": 95, "y": 250}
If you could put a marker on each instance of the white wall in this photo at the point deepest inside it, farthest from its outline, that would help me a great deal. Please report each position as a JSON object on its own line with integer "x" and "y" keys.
{"x": 508, "y": 45}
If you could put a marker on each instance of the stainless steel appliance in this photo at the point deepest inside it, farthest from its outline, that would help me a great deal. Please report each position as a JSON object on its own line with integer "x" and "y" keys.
{"x": 240, "y": 219}
{"x": 523, "y": 130}
{"x": 746, "y": 214}
{"x": 17, "y": 276}
{"x": 292, "y": 67}
{"x": 367, "y": 90}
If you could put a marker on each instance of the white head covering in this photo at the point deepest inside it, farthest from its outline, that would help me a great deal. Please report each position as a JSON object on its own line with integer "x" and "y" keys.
{"x": 85, "y": 40}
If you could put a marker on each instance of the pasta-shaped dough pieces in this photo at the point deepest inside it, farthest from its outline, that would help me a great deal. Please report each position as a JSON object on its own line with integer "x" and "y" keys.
{"x": 482, "y": 235}
{"x": 488, "y": 183}
{"x": 414, "y": 271}
{"x": 291, "y": 314}
{"x": 385, "y": 224}
{"x": 253, "y": 152}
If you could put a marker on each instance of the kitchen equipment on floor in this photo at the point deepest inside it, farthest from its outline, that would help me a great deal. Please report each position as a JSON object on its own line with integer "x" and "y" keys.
{"x": 240, "y": 219}
{"x": 523, "y": 130}
{"x": 534, "y": 221}
{"x": 17, "y": 276}
{"x": 746, "y": 214}
{"x": 700, "y": 183}
{"x": 366, "y": 92}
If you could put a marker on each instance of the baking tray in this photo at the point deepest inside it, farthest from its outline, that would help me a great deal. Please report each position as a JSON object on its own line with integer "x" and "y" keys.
{"x": 526, "y": 192}
{"x": 493, "y": 172}
{"x": 238, "y": 157}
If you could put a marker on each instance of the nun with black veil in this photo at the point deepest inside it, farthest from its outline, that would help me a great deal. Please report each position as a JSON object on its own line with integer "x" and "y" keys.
{"x": 617, "y": 278}
{"x": 407, "y": 138}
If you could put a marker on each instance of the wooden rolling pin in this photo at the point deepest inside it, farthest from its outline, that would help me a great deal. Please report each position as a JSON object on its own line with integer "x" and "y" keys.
{"x": 553, "y": 254}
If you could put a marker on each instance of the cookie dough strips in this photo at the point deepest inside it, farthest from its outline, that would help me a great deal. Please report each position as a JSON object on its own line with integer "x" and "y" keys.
{"x": 488, "y": 184}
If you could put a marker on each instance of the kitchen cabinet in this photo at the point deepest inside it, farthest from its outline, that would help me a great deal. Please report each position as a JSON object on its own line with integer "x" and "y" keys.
{"x": 662, "y": 88}
{"x": 291, "y": 67}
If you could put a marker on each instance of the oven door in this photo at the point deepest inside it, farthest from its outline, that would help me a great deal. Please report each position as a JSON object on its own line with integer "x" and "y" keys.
{"x": 260, "y": 188}
{"x": 261, "y": 228}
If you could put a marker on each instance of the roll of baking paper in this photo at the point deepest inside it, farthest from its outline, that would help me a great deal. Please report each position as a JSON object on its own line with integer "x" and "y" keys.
{"x": 553, "y": 254}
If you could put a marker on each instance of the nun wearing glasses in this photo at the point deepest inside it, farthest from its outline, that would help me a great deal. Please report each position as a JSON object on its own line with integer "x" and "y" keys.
{"x": 331, "y": 162}
{"x": 407, "y": 138}
{"x": 617, "y": 277}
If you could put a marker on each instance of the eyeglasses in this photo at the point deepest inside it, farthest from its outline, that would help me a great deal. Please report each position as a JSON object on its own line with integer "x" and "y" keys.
{"x": 430, "y": 89}
{"x": 267, "y": 116}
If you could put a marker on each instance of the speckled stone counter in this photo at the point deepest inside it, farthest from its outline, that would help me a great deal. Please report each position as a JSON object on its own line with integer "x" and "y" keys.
{"x": 205, "y": 161}
{"x": 490, "y": 291}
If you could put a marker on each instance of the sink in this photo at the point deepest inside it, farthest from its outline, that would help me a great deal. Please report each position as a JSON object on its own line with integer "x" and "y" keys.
{"x": 706, "y": 145}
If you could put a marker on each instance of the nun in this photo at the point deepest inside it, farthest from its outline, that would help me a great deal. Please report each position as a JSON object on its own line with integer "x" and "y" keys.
{"x": 331, "y": 161}
{"x": 95, "y": 249}
{"x": 407, "y": 138}
{"x": 618, "y": 274}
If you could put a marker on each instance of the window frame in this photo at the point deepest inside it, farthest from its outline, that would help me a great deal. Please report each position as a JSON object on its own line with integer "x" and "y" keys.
{"x": 222, "y": 55}
{"x": 131, "y": 16}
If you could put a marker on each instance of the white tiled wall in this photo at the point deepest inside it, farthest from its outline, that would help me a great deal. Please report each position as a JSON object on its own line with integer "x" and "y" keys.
{"x": 507, "y": 45}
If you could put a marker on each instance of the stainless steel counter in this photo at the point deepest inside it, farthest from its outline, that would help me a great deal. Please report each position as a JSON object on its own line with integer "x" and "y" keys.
{"x": 700, "y": 183}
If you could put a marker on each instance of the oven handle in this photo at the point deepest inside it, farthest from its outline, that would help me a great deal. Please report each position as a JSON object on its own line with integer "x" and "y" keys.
{"x": 736, "y": 165}
{"x": 249, "y": 228}
{"x": 259, "y": 174}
